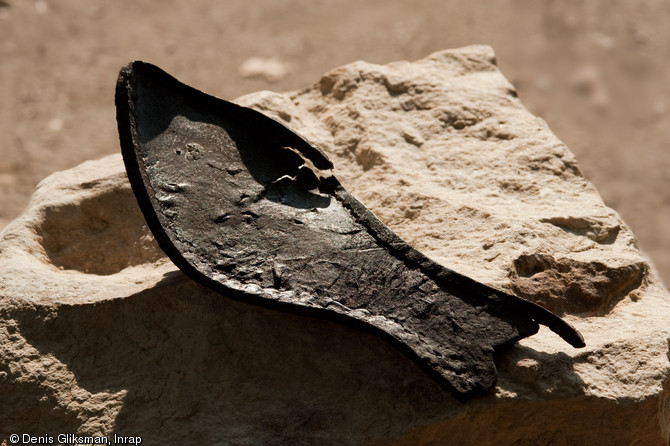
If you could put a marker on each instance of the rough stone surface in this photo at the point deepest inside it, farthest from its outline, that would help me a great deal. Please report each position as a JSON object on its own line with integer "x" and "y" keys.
{"x": 99, "y": 333}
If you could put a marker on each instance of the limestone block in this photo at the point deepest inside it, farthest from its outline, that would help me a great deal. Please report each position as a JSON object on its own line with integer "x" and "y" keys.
{"x": 101, "y": 334}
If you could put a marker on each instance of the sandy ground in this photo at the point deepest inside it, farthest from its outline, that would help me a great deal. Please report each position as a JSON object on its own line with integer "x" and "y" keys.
{"x": 596, "y": 70}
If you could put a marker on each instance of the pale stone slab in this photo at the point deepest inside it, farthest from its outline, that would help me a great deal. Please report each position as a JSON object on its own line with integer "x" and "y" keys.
{"x": 99, "y": 333}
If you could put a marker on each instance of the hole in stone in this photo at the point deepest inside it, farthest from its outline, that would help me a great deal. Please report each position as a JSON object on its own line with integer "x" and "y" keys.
{"x": 101, "y": 234}
{"x": 569, "y": 286}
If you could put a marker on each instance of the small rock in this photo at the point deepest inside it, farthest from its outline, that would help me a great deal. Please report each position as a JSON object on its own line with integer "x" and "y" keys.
{"x": 55, "y": 125}
{"x": 41, "y": 7}
{"x": 271, "y": 69}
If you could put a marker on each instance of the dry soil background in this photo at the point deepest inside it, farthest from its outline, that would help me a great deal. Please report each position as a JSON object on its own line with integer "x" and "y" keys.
{"x": 596, "y": 70}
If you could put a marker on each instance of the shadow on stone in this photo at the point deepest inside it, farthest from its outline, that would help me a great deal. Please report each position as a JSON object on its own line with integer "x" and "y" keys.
{"x": 197, "y": 367}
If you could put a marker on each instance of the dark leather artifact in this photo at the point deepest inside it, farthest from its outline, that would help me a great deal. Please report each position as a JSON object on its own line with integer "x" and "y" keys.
{"x": 248, "y": 208}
